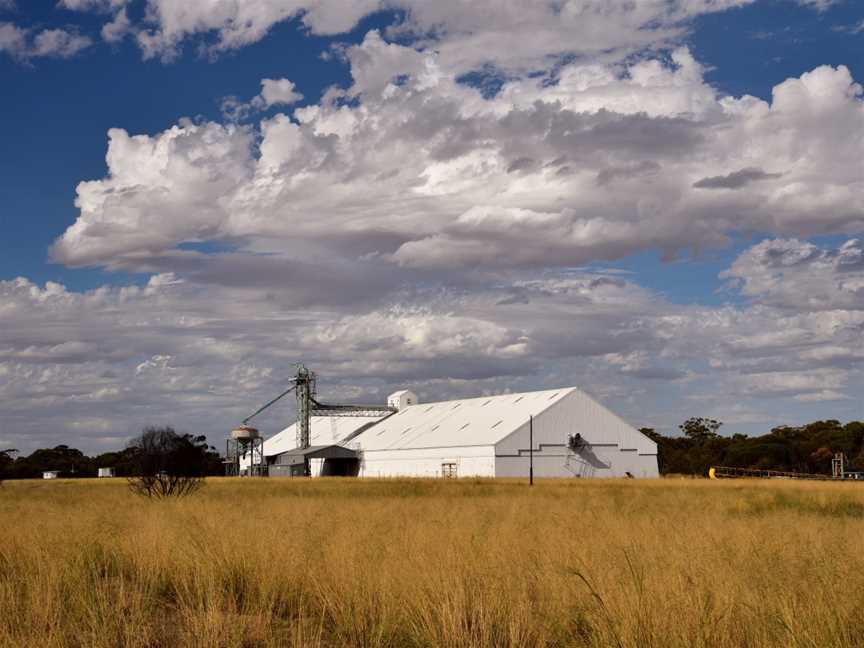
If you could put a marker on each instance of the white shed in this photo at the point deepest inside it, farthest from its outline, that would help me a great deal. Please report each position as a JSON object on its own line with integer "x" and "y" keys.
{"x": 50, "y": 474}
{"x": 574, "y": 436}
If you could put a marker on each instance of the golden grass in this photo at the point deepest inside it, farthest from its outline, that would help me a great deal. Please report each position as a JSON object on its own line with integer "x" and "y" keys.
{"x": 433, "y": 563}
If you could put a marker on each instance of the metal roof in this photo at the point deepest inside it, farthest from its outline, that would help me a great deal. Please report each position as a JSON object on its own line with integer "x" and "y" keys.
{"x": 482, "y": 421}
{"x": 324, "y": 430}
{"x": 326, "y": 451}
{"x": 467, "y": 422}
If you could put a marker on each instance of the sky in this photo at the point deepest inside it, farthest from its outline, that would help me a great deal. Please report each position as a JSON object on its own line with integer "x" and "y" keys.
{"x": 660, "y": 201}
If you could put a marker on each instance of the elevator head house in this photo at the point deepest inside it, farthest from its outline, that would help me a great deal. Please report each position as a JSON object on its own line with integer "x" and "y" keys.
{"x": 573, "y": 436}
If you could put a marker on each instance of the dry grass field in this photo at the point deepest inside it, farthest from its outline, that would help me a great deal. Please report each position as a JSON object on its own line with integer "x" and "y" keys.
{"x": 433, "y": 563}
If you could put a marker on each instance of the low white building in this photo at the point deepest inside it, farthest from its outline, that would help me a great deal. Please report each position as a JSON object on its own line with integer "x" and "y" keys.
{"x": 573, "y": 436}
{"x": 280, "y": 450}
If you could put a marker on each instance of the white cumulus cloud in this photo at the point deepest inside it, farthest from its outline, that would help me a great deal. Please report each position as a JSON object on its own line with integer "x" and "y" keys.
{"x": 423, "y": 172}
{"x": 467, "y": 35}
{"x": 24, "y": 43}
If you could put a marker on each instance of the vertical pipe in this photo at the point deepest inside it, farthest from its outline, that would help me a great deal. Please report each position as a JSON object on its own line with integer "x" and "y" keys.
{"x": 531, "y": 450}
{"x": 305, "y": 382}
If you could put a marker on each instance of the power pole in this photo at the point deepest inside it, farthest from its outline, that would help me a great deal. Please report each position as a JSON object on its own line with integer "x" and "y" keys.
{"x": 531, "y": 450}
{"x": 838, "y": 467}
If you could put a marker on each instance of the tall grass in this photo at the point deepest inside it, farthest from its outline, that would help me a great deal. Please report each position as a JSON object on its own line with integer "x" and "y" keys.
{"x": 433, "y": 563}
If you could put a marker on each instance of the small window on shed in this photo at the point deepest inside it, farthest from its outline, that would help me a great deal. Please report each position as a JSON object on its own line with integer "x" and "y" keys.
{"x": 448, "y": 470}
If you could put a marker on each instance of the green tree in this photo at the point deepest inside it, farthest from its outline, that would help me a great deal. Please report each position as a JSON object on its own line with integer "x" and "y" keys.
{"x": 70, "y": 462}
{"x": 6, "y": 461}
{"x": 663, "y": 448}
{"x": 700, "y": 429}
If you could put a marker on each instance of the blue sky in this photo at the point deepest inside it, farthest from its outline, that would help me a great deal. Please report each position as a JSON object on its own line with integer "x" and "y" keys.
{"x": 423, "y": 234}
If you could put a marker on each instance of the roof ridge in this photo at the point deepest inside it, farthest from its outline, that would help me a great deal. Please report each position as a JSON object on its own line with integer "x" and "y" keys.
{"x": 475, "y": 398}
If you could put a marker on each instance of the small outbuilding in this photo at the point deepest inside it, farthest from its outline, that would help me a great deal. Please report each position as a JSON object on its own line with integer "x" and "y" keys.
{"x": 51, "y": 474}
{"x": 105, "y": 472}
{"x": 321, "y": 461}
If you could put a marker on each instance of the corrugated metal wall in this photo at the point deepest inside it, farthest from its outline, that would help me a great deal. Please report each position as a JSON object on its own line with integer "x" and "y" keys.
{"x": 614, "y": 448}
{"x": 470, "y": 461}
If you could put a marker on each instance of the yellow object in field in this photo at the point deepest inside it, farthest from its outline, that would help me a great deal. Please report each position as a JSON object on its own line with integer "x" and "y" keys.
{"x": 711, "y": 473}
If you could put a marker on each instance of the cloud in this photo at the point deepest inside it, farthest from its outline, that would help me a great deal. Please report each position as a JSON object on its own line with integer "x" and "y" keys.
{"x": 626, "y": 171}
{"x": 13, "y": 39}
{"x": 117, "y": 29}
{"x": 824, "y": 395}
{"x": 808, "y": 386}
{"x": 417, "y": 228}
{"x": 736, "y": 179}
{"x": 467, "y": 35}
{"x": 857, "y": 28}
{"x": 819, "y": 5}
{"x": 274, "y": 92}
{"x": 640, "y": 365}
{"x": 200, "y": 352}
{"x": 422, "y": 172}
{"x": 410, "y": 230}
{"x": 239, "y": 23}
{"x": 154, "y": 182}
{"x": 24, "y": 44}
{"x": 92, "y": 5}
{"x": 797, "y": 275}
{"x": 58, "y": 43}
{"x": 200, "y": 355}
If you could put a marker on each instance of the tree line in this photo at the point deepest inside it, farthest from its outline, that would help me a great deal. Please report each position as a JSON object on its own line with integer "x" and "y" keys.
{"x": 156, "y": 450}
{"x": 806, "y": 448}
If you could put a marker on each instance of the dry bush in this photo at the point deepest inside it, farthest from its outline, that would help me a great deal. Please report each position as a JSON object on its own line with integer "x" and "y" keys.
{"x": 167, "y": 464}
{"x": 336, "y": 562}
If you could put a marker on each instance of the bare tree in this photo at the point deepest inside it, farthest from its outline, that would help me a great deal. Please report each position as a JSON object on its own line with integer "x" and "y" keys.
{"x": 167, "y": 464}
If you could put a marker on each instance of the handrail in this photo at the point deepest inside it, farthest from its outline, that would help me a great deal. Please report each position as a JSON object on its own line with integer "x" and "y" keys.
{"x": 719, "y": 472}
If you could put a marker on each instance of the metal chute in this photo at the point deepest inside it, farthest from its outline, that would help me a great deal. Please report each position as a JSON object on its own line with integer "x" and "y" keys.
{"x": 304, "y": 385}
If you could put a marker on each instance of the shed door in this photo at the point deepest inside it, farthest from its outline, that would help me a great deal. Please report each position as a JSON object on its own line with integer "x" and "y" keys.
{"x": 448, "y": 470}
